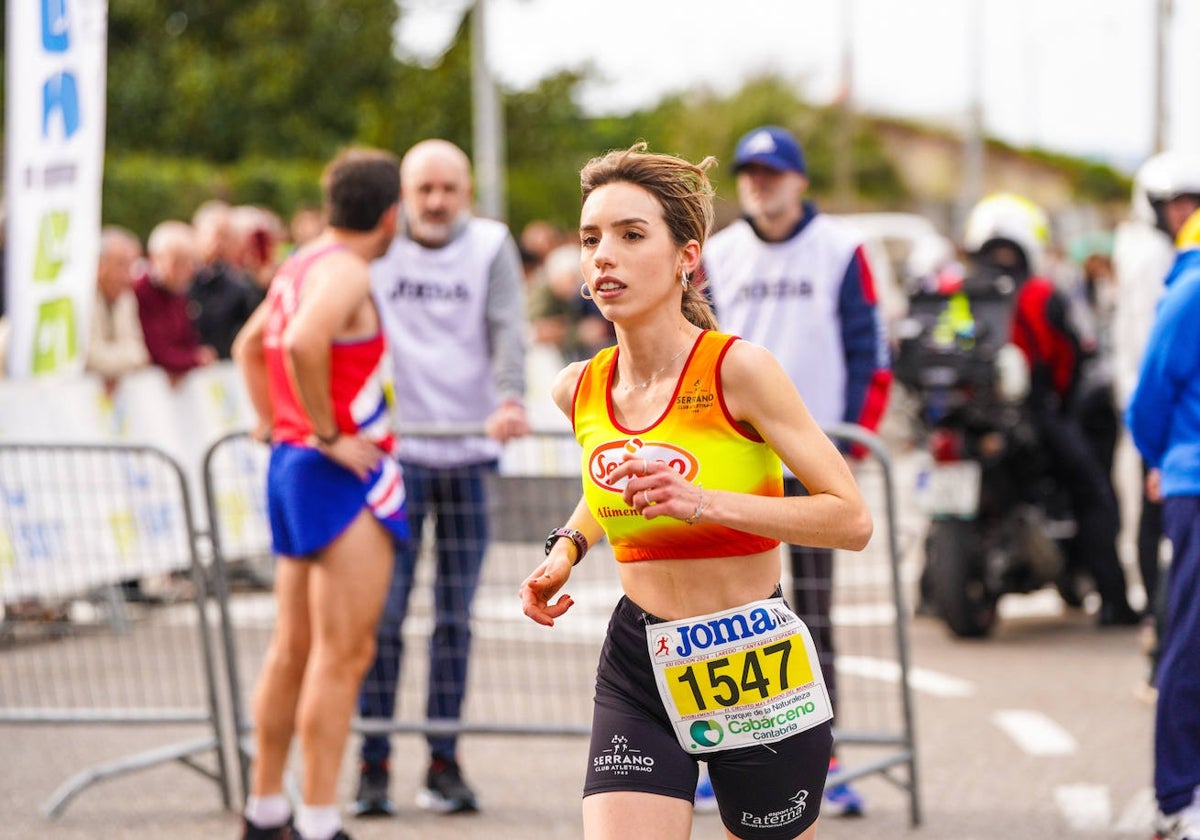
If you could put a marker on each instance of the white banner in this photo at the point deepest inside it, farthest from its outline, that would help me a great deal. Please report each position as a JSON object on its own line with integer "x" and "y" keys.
{"x": 57, "y": 53}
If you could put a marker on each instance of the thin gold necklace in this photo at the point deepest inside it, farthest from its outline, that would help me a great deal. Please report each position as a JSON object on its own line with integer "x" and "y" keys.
{"x": 646, "y": 383}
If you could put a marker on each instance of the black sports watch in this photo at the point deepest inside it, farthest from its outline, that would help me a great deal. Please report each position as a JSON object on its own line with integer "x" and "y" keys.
{"x": 577, "y": 537}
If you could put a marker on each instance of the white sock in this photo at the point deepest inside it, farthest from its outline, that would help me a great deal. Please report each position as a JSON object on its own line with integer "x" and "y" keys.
{"x": 268, "y": 811}
{"x": 318, "y": 822}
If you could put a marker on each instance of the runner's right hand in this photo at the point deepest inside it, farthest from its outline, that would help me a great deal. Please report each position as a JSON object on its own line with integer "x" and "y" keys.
{"x": 353, "y": 452}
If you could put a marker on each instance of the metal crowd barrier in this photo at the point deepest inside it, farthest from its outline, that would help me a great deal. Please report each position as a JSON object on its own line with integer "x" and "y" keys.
{"x": 88, "y": 670}
{"x": 529, "y": 680}
{"x": 873, "y": 719}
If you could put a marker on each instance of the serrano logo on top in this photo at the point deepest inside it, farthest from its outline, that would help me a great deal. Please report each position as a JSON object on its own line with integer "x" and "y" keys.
{"x": 607, "y": 456}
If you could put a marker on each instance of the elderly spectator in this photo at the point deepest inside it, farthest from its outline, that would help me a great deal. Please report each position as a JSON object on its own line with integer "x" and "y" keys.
{"x": 116, "y": 345}
{"x": 172, "y": 341}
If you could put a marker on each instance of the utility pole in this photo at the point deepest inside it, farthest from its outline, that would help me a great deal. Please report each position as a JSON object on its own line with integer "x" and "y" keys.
{"x": 1162, "y": 31}
{"x": 487, "y": 123}
{"x": 843, "y": 159}
{"x": 971, "y": 188}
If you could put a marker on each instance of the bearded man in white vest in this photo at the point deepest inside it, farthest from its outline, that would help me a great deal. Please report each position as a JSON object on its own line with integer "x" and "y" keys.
{"x": 451, "y": 296}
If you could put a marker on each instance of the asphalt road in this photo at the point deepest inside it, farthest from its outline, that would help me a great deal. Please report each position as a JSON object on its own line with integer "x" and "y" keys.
{"x": 1037, "y": 732}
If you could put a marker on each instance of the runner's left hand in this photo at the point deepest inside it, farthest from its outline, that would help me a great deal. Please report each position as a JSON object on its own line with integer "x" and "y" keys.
{"x": 537, "y": 589}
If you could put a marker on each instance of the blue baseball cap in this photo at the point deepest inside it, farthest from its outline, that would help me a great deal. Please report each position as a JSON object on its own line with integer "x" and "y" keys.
{"x": 770, "y": 146}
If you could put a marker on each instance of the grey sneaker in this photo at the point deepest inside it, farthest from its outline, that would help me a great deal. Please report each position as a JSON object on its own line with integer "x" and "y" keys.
{"x": 372, "y": 799}
{"x": 445, "y": 791}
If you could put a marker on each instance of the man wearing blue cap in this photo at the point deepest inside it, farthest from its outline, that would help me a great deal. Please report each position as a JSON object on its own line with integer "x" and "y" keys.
{"x": 797, "y": 282}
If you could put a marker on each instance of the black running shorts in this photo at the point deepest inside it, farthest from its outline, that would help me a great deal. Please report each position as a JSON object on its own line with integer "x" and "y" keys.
{"x": 763, "y": 792}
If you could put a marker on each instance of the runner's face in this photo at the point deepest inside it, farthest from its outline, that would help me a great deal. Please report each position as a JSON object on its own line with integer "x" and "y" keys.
{"x": 628, "y": 257}
{"x": 767, "y": 194}
{"x": 435, "y": 194}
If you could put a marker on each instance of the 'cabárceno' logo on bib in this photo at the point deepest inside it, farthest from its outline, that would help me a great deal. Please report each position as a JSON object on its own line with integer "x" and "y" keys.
{"x": 606, "y": 457}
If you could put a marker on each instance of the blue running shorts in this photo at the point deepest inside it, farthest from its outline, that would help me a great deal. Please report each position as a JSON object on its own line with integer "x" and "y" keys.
{"x": 311, "y": 499}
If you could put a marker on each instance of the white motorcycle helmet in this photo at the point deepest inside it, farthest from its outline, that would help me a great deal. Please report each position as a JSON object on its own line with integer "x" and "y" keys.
{"x": 1008, "y": 219}
{"x": 1163, "y": 177}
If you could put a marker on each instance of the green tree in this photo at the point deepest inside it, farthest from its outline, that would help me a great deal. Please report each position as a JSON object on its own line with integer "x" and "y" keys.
{"x": 223, "y": 79}
{"x": 548, "y": 140}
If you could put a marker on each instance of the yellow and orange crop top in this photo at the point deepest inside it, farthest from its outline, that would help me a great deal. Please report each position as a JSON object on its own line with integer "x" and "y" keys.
{"x": 695, "y": 435}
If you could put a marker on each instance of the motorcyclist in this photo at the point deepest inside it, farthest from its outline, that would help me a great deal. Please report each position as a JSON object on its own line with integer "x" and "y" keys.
{"x": 1006, "y": 234}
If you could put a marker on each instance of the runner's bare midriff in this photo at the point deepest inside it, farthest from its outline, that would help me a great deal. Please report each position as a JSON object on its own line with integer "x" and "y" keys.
{"x": 672, "y": 589}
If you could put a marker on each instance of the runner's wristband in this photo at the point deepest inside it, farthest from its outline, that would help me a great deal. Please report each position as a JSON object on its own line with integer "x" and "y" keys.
{"x": 328, "y": 440}
{"x": 577, "y": 537}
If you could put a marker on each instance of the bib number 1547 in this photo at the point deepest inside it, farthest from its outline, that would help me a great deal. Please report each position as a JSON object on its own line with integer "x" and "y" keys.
{"x": 740, "y": 677}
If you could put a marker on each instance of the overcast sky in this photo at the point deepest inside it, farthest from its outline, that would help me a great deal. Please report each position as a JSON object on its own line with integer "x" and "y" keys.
{"x": 1070, "y": 75}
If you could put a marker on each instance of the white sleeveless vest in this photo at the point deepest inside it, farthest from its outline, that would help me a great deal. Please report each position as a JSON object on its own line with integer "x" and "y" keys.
{"x": 433, "y": 304}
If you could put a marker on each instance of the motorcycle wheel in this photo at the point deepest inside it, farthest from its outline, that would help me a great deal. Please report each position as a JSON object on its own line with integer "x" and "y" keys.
{"x": 955, "y": 565}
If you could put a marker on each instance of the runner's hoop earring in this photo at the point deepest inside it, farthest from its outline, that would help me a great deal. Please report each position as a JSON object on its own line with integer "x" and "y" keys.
{"x": 583, "y": 291}
{"x": 683, "y": 280}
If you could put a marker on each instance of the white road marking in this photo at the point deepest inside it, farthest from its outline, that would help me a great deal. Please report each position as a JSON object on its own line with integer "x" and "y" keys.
{"x": 1084, "y": 807}
{"x": 864, "y": 615}
{"x": 1138, "y": 816}
{"x": 1034, "y": 732}
{"x": 919, "y": 679}
{"x": 1044, "y": 603}
{"x": 1087, "y": 809}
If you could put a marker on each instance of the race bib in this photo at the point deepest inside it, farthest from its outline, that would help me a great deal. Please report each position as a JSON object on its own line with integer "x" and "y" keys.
{"x": 745, "y": 676}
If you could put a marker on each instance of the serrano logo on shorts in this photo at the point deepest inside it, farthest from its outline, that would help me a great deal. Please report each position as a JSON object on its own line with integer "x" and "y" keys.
{"x": 607, "y": 456}
{"x": 707, "y": 733}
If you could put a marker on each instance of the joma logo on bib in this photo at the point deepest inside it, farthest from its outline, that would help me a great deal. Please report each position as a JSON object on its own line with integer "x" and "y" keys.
{"x": 606, "y": 457}
{"x": 718, "y": 631}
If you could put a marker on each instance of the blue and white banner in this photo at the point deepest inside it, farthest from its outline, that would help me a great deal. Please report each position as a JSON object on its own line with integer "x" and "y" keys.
{"x": 57, "y": 53}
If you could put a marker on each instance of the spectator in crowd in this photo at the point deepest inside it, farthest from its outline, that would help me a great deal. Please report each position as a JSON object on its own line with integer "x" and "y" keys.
{"x": 1082, "y": 285}
{"x": 452, "y": 302}
{"x": 797, "y": 282}
{"x": 115, "y": 344}
{"x": 1164, "y": 420}
{"x": 538, "y": 239}
{"x": 171, "y": 339}
{"x": 559, "y": 316}
{"x": 683, "y": 430}
{"x": 311, "y": 358}
{"x": 258, "y": 239}
{"x": 305, "y": 226}
{"x": 1100, "y": 293}
{"x": 221, "y": 298}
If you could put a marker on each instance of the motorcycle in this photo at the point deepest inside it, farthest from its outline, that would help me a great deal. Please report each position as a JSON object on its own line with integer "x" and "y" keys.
{"x": 998, "y": 522}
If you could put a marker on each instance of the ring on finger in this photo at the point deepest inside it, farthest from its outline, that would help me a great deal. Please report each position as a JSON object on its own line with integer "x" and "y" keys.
{"x": 646, "y": 497}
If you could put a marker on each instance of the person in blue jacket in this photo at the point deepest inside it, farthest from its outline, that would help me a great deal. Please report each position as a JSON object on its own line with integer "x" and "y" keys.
{"x": 1164, "y": 420}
